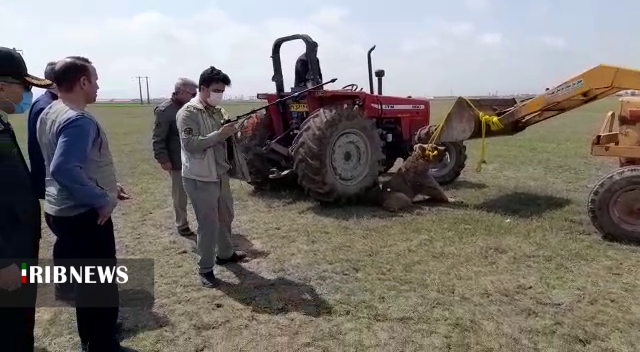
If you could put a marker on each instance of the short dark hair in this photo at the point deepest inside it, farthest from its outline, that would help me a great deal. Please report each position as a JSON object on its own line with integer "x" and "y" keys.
{"x": 49, "y": 70}
{"x": 212, "y": 75}
{"x": 69, "y": 71}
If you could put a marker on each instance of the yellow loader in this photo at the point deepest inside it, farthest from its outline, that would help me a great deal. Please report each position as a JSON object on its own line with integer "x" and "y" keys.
{"x": 614, "y": 202}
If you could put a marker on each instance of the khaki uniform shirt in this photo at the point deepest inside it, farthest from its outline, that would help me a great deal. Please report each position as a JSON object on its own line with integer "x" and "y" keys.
{"x": 204, "y": 154}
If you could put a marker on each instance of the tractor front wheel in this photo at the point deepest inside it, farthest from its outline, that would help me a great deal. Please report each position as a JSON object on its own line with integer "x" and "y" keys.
{"x": 452, "y": 165}
{"x": 254, "y": 135}
{"x": 614, "y": 205}
{"x": 338, "y": 155}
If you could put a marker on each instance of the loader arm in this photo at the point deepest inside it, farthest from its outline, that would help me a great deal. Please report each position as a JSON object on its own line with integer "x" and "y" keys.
{"x": 463, "y": 121}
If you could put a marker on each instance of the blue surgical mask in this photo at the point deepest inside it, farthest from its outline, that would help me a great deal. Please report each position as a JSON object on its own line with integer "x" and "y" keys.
{"x": 25, "y": 104}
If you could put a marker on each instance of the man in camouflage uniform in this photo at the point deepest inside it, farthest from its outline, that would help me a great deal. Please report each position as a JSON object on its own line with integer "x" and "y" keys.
{"x": 210, "y": 156}
{"x": 166, "y": 147}
{"x": 20, "y": 225}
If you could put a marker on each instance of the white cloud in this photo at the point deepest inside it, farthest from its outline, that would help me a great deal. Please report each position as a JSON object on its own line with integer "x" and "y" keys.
{"x": 490, "y": 38}
{"x": 462, "y": 52}
{"x": 329, "y": 16}
{"x": 165, "y": 47}
{"x": 539, "y": 8}
{"x": 553, "y": 42}
{"x": 477, "y": 4}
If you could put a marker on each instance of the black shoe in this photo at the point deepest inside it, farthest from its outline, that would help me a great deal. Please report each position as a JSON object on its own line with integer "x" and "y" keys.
{"x": 236, "y": 257}
{"x": 208, "y": 279}
{"x": 186, "y": 232}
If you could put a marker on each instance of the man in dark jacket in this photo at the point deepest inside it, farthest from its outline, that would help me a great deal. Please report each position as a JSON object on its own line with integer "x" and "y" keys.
{"x": 166, "y": 148}
{"x": 302, "y": 68}
{"x": 20, "y": 226}
{"x": 35, "y": 154}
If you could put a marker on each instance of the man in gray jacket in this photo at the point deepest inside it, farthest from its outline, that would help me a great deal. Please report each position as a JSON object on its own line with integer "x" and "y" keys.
{"x": 166, "y": 148}
{"x": 210, "y": 157}
{"x": 81, "y": 193}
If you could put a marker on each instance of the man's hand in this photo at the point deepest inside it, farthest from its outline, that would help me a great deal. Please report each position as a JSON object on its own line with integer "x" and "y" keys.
{"x": 10, "y": 278}
{"x": 104, "y": 214}
{"x": 122, "y": 194}
{"x": 228, "y": 130}
{"x": 166, "y": 166}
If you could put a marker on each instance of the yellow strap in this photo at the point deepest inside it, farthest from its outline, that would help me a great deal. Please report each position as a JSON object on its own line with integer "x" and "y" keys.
{"x": 494, "y": 124}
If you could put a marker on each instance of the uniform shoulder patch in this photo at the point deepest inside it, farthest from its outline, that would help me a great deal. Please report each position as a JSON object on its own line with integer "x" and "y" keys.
{"x": 187, "y": 131}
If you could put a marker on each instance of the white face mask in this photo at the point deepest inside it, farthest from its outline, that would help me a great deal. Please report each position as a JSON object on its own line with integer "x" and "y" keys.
{"x": 214, "y": 98}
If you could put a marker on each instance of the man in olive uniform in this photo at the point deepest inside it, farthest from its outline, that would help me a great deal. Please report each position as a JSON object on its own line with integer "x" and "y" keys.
{"x": 210, "y": 157}
{"x": 20, "y": 227}
{"x": 166, "y": 148}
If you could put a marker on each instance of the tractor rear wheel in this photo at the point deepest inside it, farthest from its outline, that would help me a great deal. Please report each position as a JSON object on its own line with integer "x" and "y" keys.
{"x": 254, "y": 135}
{"x": 614, "y": 205}
{"x": 452, "y": 165}
{"x": 338, "y": 155}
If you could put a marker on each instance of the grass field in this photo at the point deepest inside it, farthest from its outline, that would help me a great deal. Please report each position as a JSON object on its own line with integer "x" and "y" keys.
{"x": 518, "y": 267}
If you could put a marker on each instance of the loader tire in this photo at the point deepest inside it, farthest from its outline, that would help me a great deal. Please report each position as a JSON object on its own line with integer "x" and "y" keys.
{"x": 451, "y": 168}
{"x": 254, "y": 135}
{"x": 614, "y": 205}
{"x": 337, "y": 155}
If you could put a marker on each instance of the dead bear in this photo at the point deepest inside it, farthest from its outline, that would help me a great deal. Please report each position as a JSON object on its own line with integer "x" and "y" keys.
{"x": 411, "y": 180}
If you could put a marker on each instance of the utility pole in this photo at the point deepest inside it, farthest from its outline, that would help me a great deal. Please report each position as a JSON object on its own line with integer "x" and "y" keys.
{"x": 140, "y": 88}
{"x": 148, "y": 98}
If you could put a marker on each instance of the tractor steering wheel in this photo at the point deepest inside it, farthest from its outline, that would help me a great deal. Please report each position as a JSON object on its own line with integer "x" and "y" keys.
{"x": 354, "y": 87}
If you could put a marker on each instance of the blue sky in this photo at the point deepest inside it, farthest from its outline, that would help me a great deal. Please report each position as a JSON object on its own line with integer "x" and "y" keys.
{"x": 426, "y": 48}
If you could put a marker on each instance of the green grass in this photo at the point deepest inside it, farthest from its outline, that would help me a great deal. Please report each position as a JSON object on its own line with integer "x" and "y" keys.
{"x": 517, "y": 268}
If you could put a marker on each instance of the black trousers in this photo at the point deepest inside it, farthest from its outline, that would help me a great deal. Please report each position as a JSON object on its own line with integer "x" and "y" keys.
{"x": 80, "y": 239}
{"x": 20, "y": 233}
{"x": 18, "y": 312}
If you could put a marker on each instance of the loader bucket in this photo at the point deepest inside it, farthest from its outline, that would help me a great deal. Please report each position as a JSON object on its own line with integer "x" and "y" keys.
{"x": 463, "y": 121}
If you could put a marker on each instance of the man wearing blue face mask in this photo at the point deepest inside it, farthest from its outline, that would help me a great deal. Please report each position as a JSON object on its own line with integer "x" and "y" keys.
{"x": 20, "y": 226}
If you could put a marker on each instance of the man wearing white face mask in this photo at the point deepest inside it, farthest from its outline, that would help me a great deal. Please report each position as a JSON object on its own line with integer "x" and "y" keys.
{"x": 210, "y": 156}
{"x": 20, "y": 226}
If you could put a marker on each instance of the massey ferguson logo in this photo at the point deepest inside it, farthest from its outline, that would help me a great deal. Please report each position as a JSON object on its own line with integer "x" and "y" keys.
{"x": 397, "y": 107}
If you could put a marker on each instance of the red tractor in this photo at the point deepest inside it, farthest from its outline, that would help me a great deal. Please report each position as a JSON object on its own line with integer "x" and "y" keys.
{"x": 335, "y": 143}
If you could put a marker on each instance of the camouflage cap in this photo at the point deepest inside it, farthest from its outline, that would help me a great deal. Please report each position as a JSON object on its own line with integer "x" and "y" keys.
{"x": 12, "y": 65}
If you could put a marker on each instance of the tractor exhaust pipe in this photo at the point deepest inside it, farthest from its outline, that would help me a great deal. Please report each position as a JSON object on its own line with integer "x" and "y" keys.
{"x": 370, "y": 66}
{"x": 379, "y": 75}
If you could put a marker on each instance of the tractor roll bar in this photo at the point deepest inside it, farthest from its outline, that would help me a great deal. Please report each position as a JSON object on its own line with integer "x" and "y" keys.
{"x": 314, "y": 70}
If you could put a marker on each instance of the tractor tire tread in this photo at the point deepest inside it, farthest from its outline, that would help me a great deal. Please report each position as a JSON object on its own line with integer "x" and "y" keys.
{"x": 310, "y": 151}
{"x": 251, "y": 144}
{"x": 460, "y": 163}
{"x": 600, "y": 198}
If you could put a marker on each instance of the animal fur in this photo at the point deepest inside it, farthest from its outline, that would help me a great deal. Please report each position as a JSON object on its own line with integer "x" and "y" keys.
{"x": 412, "y": 179}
